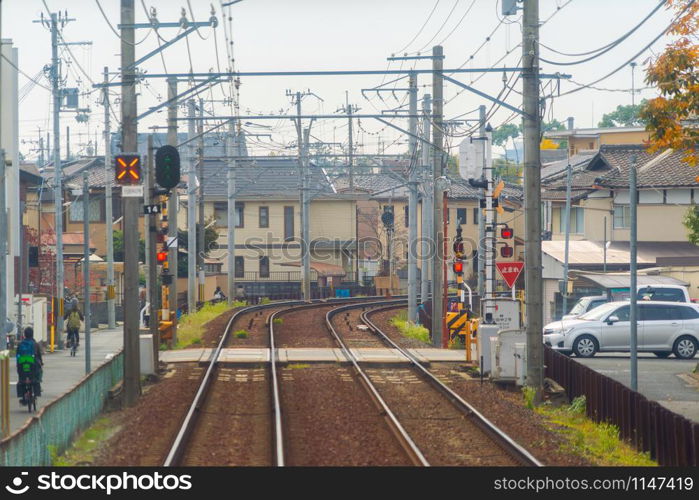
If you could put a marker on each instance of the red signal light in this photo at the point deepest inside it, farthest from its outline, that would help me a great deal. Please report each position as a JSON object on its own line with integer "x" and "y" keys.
{"x": 507, "y": 233}
{"x": 161, "y": 256}
{"x": 507, "y": 251}
{"x": 458, "y": 267}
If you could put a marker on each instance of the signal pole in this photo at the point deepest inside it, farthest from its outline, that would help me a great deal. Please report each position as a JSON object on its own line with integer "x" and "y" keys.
{"x": 153, "y": 295}
{"x": 438, "y": 198}
{"x": 191, "y": 216}
{"x": 131, "y": 205}
{"x": 109, "y": 174}
{"x": 532, "y": 195}
{"x": 412, "y": 201}
{"x": 202, "y": 230}
{"x": 86, "y": 269}
{"x": 172, "y": 206}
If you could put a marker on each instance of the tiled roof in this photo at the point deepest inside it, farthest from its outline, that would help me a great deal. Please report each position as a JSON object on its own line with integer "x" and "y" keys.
{"x": 577, "y": 161}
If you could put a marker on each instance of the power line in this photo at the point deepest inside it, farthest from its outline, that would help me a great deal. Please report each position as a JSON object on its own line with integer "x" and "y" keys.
{"x": 458, "y": 23}
{"x": 606, "y": 48}
{"x": 25, "y": 75}
{"x": 111, "y": 27}
{"x": 440, "y": 28}
{"x": 422, "y": 28}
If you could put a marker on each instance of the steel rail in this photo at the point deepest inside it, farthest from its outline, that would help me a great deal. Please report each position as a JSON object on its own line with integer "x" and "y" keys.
{"x": 412, "y": 450}
{"x": 506, "y": 443}
{"x": 188, "y": 424}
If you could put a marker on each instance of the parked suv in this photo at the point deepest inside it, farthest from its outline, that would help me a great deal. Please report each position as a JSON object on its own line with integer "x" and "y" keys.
{"x": 670, "y": 293}
{"x": 664, "y": 328}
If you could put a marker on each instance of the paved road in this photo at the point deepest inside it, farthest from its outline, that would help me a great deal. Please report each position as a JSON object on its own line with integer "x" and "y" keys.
{"x": 62, "y": 372}
{"x": 664, "y": 380}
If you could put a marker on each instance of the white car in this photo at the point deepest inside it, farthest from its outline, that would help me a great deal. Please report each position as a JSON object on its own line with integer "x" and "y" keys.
{"x": 664, "y": 328}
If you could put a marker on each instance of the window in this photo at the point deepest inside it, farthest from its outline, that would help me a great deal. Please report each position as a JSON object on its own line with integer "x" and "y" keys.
{"x": 96, "y": 210}
{"x": 689, "y": 313}
{"x": 239, "y": 266}
{"x": 264, "y": 267}
{"x": 461, "y": 215}
{"x": 406, "y": 214}
{"x": 475, "y": 215}
{"x": 622, "y": 313}
{"x": 264, "y": 216}
{"x": 666, "y": 294}
{"x": 657, "y": 313}
{"x": 221, "y": 213}
{"x": 288, "y": 223}
{"x": 577, "y": 220}
{"x": 239, "y": 214}
{"x": 622, "y": 216}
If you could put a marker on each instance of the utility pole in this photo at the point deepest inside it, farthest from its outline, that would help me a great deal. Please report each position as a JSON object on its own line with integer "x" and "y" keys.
{"x": 109, "y": 176}
{"x": 633, "y": 288}
{"x": 350, "y": 156}
{"x": 569, "y": 181}
{"x": 438, "y": 197}
{"x": 633, "y": 82}
{"x": 86, "y": 270}
{"x": 172, "y": 207}
{"x": 412, "y": 201}
{"x": 490, "y": 228}
{"x": 129, "y": 141}
{"x": 3, "y": 255}
{"x": 481, "y": 217}
{"x": 305, "y": 244}
{"x": 230, "y": 153}
{"x": 153, "y": 289}
{"x": 532, "y": 196}
{"x": 191, "y": 215}
{"x": 202, "y": 230}
{"x": 426, "y": 212}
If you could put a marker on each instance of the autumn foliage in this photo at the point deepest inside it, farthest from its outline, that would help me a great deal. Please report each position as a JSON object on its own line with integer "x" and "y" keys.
{"x": 673, "y": 118}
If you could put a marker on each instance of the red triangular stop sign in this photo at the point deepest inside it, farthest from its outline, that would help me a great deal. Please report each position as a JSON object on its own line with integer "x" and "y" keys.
{"x": 510, "y": 271}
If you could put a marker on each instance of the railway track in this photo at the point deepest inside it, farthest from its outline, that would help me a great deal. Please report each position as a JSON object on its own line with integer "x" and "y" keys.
{"x": 330, "y": 414}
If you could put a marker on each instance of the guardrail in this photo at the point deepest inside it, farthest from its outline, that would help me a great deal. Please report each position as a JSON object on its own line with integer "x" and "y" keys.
{"x": 53, "y": 428}
{"x": 670, "y": 438}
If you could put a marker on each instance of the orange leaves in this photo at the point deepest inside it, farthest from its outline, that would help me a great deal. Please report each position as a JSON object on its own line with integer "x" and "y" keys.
{"x": 673, "y": 118}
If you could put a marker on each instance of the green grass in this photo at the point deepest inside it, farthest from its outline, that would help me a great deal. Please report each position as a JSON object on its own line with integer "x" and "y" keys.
{"x": 278, "y": 321}
{"x": 190, "y": 327}
{"x": 85, "y": 447}
{"x": 409, "y": 329}
{"x": 241, "y": 334}
{"x": 598, "y": 443}
{"x": 265, "y": 300}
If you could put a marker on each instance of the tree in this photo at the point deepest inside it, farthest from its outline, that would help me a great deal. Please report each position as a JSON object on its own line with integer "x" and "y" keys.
{"x": 504, "y": 133}
{"x": 118, "y": 245}
{"x": 691, "y": 222}
{"x": 624, "y": 116}
{"x": 672, "y": 117}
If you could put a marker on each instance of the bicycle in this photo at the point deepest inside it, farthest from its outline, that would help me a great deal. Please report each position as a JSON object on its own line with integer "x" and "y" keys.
{"x": 29, "y": 397}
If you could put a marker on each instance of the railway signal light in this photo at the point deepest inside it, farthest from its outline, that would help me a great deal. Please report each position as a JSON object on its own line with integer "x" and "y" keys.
{"x": 507, "y": 251}
{"x": 387, "y": 216}
{"x": 161, "y": 257}
{"x": 458, "y": 267}
{"x": 167, "y": 166}
{"x": 507, "y": 233}
{"x": 127, "y": 169}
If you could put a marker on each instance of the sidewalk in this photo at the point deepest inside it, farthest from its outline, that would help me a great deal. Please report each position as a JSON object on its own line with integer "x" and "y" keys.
{"x": 62, "y": 372}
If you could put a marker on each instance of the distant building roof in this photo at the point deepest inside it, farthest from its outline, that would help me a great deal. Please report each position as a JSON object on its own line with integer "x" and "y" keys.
{"x": 584, "y": 253}
{"x": 623, "y": 280}
{"x": 590, "y": 132}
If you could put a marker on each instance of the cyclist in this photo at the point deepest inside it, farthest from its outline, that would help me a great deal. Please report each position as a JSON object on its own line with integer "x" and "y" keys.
{"x": 73, "y": 318}
{"x": 29, "y": 363}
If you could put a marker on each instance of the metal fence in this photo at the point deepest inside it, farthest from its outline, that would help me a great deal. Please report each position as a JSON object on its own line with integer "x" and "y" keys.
{"x": 670, "y": 438}
{"x": 54, "y": 427}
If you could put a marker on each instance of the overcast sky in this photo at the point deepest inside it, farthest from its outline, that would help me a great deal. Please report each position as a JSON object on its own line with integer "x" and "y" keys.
{"x": 277, "y": 35}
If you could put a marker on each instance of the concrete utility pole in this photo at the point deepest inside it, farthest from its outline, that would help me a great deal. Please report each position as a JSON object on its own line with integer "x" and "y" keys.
{"x": 58, "y": 175}
{"x": 191, "y": 214}
{"x": 230, "y": 153}
{"x": 633, "y": 295}
{"x": 532, "y": 197}
{"x": 569, "y": 181}
{"x": 426, "y": 211}
{"x": 350, "y": 155}
{"x": 109, "y": 176}
{"x": 129, "y": 141}
{"x": 172, "y": 207}
{"x": 412, "y": 201}
{"x": 153, "y": 289}
{"x": 3, "y": 254}
{"x": 481, "y": 217}
{"x": 490, "y": 228}
{"x": 438, "y": 198}
{"x": 201, "y": 250}
{"x": 86, "y": 269}
{"x": 305, "y": 244}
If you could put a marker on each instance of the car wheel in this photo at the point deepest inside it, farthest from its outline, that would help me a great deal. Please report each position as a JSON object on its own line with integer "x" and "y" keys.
{"x": 662, "y": 354}
{"x": 585, "y": 346}
{"x": 685, "y": 347}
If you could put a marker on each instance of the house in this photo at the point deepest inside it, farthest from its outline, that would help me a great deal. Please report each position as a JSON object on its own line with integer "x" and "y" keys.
{"x": 581, "y": 139}
{"x": 600, "y": 213}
